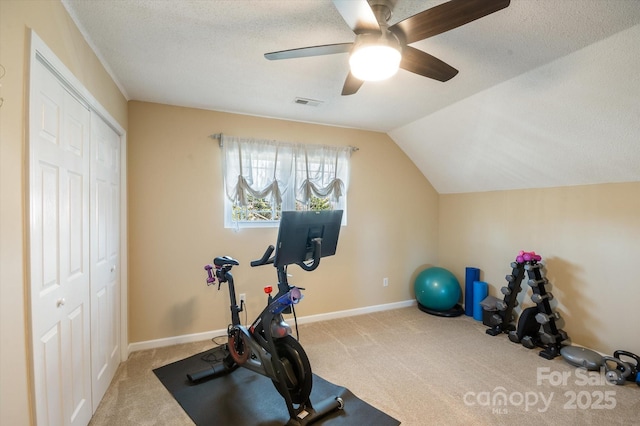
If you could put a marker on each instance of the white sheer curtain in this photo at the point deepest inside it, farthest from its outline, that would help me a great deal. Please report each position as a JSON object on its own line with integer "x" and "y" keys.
{"x": 257, "y": 167}
{"x": 321, "y": 171}
{"x": 268, "y": 169}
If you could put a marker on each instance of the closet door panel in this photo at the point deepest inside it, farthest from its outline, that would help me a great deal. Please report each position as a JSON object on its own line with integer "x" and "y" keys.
{"x": 59, "y": 126}
{"x": 105, "y": 258}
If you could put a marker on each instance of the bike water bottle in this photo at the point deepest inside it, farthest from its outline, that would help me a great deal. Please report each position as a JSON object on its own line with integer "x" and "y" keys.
{"x": 292, "y": 297}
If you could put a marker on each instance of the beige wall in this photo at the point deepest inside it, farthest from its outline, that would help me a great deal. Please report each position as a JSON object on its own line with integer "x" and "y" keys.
{"x": 52, "y": 23}
{"x": 176, "y": 222}
{"x": 589, "y": 237}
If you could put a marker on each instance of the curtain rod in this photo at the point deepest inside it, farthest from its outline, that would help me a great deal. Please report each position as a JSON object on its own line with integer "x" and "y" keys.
{"x": 218, "y": 136}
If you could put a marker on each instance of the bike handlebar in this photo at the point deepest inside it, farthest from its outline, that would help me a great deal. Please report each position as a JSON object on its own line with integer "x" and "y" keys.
{"x": 265, "y": 259}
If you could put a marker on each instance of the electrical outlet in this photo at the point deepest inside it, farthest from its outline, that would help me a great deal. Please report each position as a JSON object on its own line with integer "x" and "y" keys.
{"x": 385, "y": 282}
{"x": 243, "y": 297}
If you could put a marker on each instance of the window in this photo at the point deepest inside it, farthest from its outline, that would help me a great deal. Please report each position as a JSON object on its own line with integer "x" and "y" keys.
{"x": 263, "y": 178}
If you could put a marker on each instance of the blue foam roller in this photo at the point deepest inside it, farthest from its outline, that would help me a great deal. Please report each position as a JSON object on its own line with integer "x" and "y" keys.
{"x": 471, "y": 275}
{"x": 480, "y": 292}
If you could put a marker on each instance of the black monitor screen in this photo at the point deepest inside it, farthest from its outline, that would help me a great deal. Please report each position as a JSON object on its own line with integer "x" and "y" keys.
{"x": 299, "y": 228}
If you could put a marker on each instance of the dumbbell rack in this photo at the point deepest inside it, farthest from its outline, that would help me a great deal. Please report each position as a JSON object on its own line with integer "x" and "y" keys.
{"x": 551, "y": 337}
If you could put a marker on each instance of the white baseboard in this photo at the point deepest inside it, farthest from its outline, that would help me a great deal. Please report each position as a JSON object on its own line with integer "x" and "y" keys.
{"x": 207, "y": 335}
{"x": 357, "y": 311}
{"x": 175, "y": 340}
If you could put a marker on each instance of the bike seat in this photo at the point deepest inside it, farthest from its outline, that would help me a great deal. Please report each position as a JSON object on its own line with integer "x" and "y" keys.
{"x": 225, "y": 261}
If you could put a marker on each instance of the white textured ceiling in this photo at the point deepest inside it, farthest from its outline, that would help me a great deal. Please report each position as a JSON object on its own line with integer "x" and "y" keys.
{"x": 548, "y": 92}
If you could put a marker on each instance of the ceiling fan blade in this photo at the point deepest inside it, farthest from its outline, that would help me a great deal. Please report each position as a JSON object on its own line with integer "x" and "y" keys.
{"x": 351, "y": 85}
{"x": 445, "y": 17}
{"x": 358, "y": 15}
{"x": 302, "y": 52}
{"x": 422, "y": 63}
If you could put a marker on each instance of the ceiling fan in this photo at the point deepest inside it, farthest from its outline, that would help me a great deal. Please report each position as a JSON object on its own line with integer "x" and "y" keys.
{"x": 388, "y": 46}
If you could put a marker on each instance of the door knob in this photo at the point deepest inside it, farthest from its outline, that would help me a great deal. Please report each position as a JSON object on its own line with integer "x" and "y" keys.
{"x": 60, "y": 302}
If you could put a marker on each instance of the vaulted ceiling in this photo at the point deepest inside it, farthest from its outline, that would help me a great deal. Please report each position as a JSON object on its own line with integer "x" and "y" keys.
{"x": 547, "y": 94}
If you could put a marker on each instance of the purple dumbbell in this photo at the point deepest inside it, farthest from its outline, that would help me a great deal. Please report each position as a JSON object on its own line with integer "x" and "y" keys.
{"x": 210, "y": 279}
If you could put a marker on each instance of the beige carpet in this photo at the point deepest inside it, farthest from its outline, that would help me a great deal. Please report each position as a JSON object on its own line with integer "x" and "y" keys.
{"x": 415, "y": 367}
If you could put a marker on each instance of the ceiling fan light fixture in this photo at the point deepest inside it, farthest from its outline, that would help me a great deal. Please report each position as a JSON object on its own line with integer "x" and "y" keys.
{"x": 375, "y": 60}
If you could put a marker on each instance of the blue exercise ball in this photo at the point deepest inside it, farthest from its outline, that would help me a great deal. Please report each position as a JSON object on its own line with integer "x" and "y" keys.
{"x": 437, "y": 289}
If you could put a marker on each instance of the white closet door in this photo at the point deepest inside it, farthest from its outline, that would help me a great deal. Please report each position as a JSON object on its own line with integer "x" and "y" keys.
{"x": 105, "y": 254}
{"x": 59, "y": 162}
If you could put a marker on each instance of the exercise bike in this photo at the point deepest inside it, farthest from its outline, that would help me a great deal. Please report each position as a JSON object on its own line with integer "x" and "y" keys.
{"x": 267, "y": 347}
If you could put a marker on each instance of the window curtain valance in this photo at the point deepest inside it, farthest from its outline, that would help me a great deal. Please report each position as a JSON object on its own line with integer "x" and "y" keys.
{"x": 268, "y": 169}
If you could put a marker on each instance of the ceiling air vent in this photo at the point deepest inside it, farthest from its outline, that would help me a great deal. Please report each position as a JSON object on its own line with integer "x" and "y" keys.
{"x": 307, "y": 102}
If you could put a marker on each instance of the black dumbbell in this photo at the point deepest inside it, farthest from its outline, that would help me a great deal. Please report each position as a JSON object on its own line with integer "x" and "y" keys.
{"x": 495, "y": 319}
{"x": 545, "y": 318}
{"x": 536, "y": 283}
{"x": 547, "y": 338}
{"x": 538, "y": 298}
{"x": 501, "y": 305}
{"x": 527, "y": 342}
